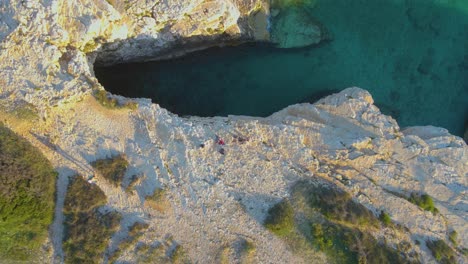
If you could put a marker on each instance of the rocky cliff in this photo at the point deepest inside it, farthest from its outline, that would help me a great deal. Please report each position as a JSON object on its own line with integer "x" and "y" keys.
{"x": 220, "y": 176}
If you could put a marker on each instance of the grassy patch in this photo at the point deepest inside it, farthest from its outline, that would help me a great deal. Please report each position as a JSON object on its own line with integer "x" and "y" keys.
{"x": 87, "y": 229}
{"x": 27, "y": 188}
{"x": 385, "y": 218}
{"x": 280, "y": 219}
{"x": 453, "y": 237}
{"x": 424, "y": 201}
{"x": 328, "y": 220}
{"x": 441, "y": 251}
{"x": 158, "y": 200}
{"x": 151, "y": 254}
{"x": 162, "y": 253}
{"x": 112, "y": 169}
{"x": 247, "y": 251}
{"x": 343, "y": 244}
{"x": 178, "y": 255}
{"x": 336, "y": 205}
{"x": 107, "y": 101}
{"x": 248, "y": 247}
{"x": 26, "y": 112}
{"x": 134, "y": 232}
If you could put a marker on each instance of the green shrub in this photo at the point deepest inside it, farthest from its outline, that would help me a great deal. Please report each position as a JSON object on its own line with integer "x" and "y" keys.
{"x": 87, "y": 229}
{"x": 137, "y": 229}
{"x": 453, "y": 237}
{"x": 27, "y": 197}
{"x": 280, "y": 219}
{"x": 441, "y": 251}
{"x": 112, "y": 169}
{"x": 424, "y": 201}
{"x": 107, "y": 101}
{"x": 344, "y": 244}
{"x": 331, "y": 222}
{"x": 82, "y": 196}
{"x": 335, "y": 205}
{"x": 385, "y": 218}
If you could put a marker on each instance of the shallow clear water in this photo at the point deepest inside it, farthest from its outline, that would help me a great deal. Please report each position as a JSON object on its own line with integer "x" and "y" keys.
{"x": 411, "y": 55}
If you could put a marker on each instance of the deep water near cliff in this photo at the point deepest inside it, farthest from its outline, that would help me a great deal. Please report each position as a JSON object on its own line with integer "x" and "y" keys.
{"x": 411, "y": 55}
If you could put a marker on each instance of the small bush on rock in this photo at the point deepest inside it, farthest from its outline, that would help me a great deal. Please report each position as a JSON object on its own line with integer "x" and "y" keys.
{"x": 112, "y": 169}
{"x": 441, "y": 251}
{"x": 325, "y": 218}
{"x": 87, "y": 229}
{"x": 424, "y": 201}
{"x": 280, "y": 219}
{"x": 385, "y": 218}
{"x": 107, "y": 101}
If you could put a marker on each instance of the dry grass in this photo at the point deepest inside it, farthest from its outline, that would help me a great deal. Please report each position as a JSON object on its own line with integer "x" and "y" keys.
{"x": 158, "y": 201}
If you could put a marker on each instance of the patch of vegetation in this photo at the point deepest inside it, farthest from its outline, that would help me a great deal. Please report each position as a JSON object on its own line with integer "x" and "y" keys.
{"x": 134, "y": 180}
{"x": 111, "y": 2}
{"x": 151, "y": 254}
{"x": 107, "y": 101}
{"x": 112, "y": 169}
{"x": 87, "y": 229}
{"x": 27, "y": 197}
{"x": 157, "y": 200}
{"x": 280, "y": 219}
{"x": 441, "y": 251}
{"x": 424, "y": 201}
{"x": 178, "y": 256}
{"x": 248, "y": 247}
{"x": 21, "y": 110}
{"x": 246, "y": 251}
{"x": 134, "y": 232}
{"x": 162, "y": 253}
{"x": 343, "y": 244}
{"x": 222, "y": 257}
{"x": 25, "y": 112}
{"x": 453, "y": 237}
{"x": 336, "y": 205}
{"x": 90, "y": 46}
{"x": 464, "y": 251}
{"x": 330, "y": 221}
{"x": 385, "y": 218}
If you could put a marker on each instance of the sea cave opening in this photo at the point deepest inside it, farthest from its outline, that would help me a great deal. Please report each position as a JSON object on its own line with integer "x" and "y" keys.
{"x": 412, "y": 56}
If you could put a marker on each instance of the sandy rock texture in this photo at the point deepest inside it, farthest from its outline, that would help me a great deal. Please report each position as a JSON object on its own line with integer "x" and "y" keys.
{"x": 217, "y": 194}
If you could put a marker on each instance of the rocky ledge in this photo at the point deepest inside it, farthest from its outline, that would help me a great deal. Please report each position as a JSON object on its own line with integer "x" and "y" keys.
{"x": 220, "y": 176}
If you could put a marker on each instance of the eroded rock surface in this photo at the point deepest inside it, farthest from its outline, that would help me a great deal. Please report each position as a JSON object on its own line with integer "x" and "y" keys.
{"x": 218, "y": 191}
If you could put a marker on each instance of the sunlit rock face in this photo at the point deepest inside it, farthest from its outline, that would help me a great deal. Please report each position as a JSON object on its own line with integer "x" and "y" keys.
{"x": 221, "y": 174}
{"x": 173, "y": 28}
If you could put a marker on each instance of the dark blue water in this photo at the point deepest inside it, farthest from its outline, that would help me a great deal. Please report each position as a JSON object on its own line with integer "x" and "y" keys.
{"x": 411, "y": 55}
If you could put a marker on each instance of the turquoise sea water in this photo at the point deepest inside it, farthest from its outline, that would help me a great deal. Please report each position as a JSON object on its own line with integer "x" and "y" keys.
{"x": 411, "y": 55}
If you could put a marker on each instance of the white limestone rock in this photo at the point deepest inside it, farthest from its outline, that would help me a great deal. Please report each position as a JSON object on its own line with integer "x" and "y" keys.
{"x": 46, "y": 61}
